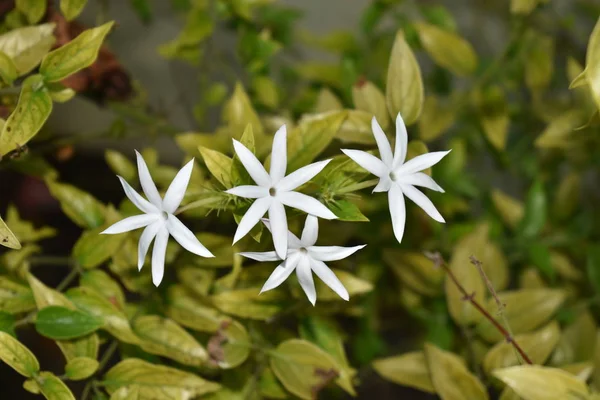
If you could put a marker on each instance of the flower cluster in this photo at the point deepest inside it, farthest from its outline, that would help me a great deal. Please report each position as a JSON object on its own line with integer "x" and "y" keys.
{"x": 272, "y": 193}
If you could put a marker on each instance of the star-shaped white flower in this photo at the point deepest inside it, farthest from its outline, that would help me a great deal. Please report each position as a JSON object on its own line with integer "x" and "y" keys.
{"x": 158, "y": 218}
{"x": 306, "y": 258}
{"x": 275, "y": 190}
{"x": 399, "y": 178}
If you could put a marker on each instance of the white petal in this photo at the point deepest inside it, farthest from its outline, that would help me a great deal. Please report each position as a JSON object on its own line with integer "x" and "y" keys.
{"x": 146, "y": 238}
{"x": 368, "y": 161}
{"x": 293, "y": 241}
{"x": 329, "y": 278}
{"x": 300, "y": 176}
{"x": 252, "y": 165}
{"x": 310, "y": 233}
{"x": 185, "y": 237}
{"x": 141, "y": 203}
{"x": 279, "y": 228}
{"x": 158, "y": 255}
{"x": 422, "y": 201}
{"x": 384, "y": 185}
{"x": 131, "y": 223}
{"x": 397, "y": 211}
{"x": 383, "y": 144}
{"x": 148, "y": 185}
{"x": 261, "y": 256}
{"x": 248, "y": 191}
{"x": 307, "y": 204}
{"x": 420, "y": 179}
{"x": 252, "y": 216}
{"x": 281, "y": 273}
{"x": 304, "y": 274}
{"x": 419, "y": 163}
{"x": 279, "y": 155}
{"x": 332, "y": 253}
{"x": 177, "y": 188}
{"x": 401, "y": 142}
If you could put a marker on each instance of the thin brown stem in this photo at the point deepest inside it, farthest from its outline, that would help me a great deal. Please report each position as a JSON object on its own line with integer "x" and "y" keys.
{"x": 470, "y": 297}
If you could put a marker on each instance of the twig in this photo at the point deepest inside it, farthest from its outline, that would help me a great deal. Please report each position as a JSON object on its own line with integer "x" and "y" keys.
{"x": 501, "y": 306}
{"x": 68, "y": 279}
{"x": 440, "y": 262}
{"x": 102, "y": 364}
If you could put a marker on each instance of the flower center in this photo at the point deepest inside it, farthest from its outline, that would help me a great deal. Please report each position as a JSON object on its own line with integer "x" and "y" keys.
{"x": 303, "y": 250}
{"x": 272, "y": 192}
{"x": 164, "y": 215}
{"x": 393, "y": 176}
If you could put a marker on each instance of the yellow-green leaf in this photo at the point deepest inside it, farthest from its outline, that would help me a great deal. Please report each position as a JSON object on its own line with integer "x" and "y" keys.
{"x": 404, "y": 88}
{"x": 415, "y": 271}
{"x": 510, "y": 209}
{"x": 559, "y": 131}
{"x": 577, "y": 341}
{"x": 30, "y": 114}
{"x": 239, "y": 112}
{"x": 537, "y": 345}
{"x": 7, "y": 237}
{"x": 53, "y": 388}
{"x": 156, "y": 381}
{"x": 327, "y": 101}
{"x": 355, "y": 286}
{"x": 15, "y": 298}
{"x": 524, "y": 6}
{"x": 218, "y": 164}
{"x": 191, "y": 313}
{"x": 302, "y": 367}
{"x": 25, "y": 230}
{"x": 165, "y": 337}
{"x": 27, "y": 46}
{"x": 8, "y": 69}
{"x": 266, "y": 91}
{"x": 447, "y": 49}
{"x": 356, "y": 128}
{"x": 369, "y": 98}
{"x": 246, "y": 303}
{"x": 34, "y": 10}
{"x": 60, "y": 93}
{"x": 451, "y": 378}
{"x": 436, "y": 118}
{"x": 92, "y": 248}
{"x": 592, "y": 63}
{"x": 495, "y": 128}
{"x": 525, "y": 310}
{"x": 539, "y": 61}
{"x": 17, "y": 356}
{"x": 80, "y": 368}
{"x": 44, "y": 296}
{"x": 81, "y": 207}
{"x": 534, "y": 382}
{"x": 72, "y": 8}
{"x": 408, "y": 369}
{"x": 120, "y": 164}
{"x": 235, "y": 348}
{"x": 79, "y": 53}
{"x": 100, "y": 282}
{"x": 190, "y": 141}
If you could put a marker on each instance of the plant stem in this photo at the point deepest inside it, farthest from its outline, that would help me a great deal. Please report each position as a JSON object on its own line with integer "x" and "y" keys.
{"x": 102, "y": 364}
{"x": 439, "y": 261}
{"x": 68, "y": 279}
{"x": 51, "y": 260}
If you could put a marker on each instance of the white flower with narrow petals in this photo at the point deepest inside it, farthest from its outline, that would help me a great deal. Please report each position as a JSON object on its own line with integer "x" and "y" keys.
{"x": 399, "y": 178}
{"x": 306, "y": 258}
{"x": 158, "y": 218}
{"x": 276, "y": 190}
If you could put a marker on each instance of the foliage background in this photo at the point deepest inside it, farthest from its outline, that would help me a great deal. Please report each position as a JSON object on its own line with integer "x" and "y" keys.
{"x": 508, "y": 115}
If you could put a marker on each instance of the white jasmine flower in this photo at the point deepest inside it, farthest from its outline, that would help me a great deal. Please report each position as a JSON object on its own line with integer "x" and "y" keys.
{"x": 158, "y": 218}
{"x": 275, "y": 190}
{"x": 306, "y": 258}
{"x": 397, "y": 177}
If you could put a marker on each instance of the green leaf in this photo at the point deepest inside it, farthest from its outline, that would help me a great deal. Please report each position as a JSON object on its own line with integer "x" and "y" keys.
{"x": 593, "y": 266}
{"x": 218, "y": 164}
{"x": 536, "y": 205}
{"x": 53, "y": 388}
{"x": 34, "y": 10}
{"x": 408, "y": 369}
{"x": 436, "y": 118}
{"x": 115, "y": 321}
{"x": 7, "y": 237}
{"x": 7, "y": 323}
{"x": 142, "y": 9}
{"x": 76, "y": 55}
{"x": 302, "y": 367}
{"x": 72, "y": 8}
{"x": 346, "y": 210}
{"x": 535, "y": 382}
{"x": 60, "y": 93}
{"x": 80, "y": 368}
{"x": 92, "y": 248}
{"x": 539, "y": 61}
{"x": 233, "y": 345}
{"x": 239, "y": 175}
{"x": 25, "y": 230}
{"x": 100, "y": 282}
{"x": 60, "y": 323}
{"x": 369, "y": 98}
{"x": 192, "y": 313}
{"x": 450, "y": 376}
{"x": 311, "y": 136}
{"x": 120, "y": 165}
{"x": 17, "y": 356}
{"x": 8, "y": 70}
{"x": 266, "y": 90}
{"x": 32, "y": 111}
{"x": 447, "y": 49}
{"x": 15, "y": 298}
{"x": 539, "y": 256}
{"x": 239, "y": 112}
{"x": 44, "y": 296}
{"x": 404, "y": 88}
{"x": 27, "y": 46}
{"x": 246, "y": 303}
{"x": 559, "y": 132}
{"x": 592, "y": 63}
{"x": 156, "y": 381}
{"x": 510, "y": 209}
{"x": 81, "y": 207}
{"x": 524, "y": 7}
{"x": 166, "y": 338}
{"x": 415, "y": 271}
